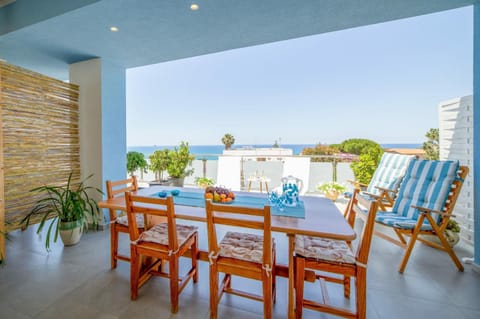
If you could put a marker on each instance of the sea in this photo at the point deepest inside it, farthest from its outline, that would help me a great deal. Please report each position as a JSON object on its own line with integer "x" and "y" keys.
{"x": 211, "y": 152}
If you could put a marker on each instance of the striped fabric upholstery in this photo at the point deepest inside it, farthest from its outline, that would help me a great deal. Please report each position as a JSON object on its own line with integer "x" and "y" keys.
{"x": 426, "y": 184}
{"x": 389, "y": 173}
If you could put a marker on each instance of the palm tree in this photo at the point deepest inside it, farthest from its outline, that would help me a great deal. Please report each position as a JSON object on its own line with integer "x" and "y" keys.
{"x": 228, "y": 140}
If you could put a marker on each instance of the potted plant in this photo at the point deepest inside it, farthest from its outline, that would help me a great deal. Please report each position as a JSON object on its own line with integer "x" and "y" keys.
{"x": 136, "y": 161}
{"x": 70, "y": 208}
{"x": 203, "y": 182}
{"x": 331, "y": 189}
{"x": 159, "y": 162}
{"x": 180, "y": 159}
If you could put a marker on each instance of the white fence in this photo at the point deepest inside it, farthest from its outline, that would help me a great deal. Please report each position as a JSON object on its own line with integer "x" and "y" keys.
{"x": 456, "y": 142}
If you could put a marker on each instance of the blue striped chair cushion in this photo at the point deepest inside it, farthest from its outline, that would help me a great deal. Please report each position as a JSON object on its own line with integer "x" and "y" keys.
{"x": 389, "y": 173}
{"x": 394, "y": 220}
{"x": 426, "y": 184}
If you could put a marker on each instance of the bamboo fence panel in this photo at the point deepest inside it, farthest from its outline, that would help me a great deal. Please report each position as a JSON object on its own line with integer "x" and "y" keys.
{"x": 40, "y": 132}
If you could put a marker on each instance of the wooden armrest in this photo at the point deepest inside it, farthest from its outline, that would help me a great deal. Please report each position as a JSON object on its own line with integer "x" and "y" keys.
{"x": 356, "y": 183}
{"x": 424, "y": 210}
{"x": 372, "y": 195}
{"x": 388, "y": 190}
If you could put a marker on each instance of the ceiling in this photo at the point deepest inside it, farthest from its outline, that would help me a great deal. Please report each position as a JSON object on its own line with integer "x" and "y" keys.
{"x": 46, "y": 36}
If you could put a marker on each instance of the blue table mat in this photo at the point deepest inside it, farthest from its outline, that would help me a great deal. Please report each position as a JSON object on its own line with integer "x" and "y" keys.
{"x": 197, "y": 200}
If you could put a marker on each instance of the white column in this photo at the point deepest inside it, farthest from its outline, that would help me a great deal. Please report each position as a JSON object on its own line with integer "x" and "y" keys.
{"x": 102, "y": 120}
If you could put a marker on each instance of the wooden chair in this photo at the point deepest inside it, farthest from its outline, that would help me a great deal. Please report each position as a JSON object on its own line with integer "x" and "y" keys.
{"x": 335, "y": 257}
{"x": 162, "y": 242}
{"x": 386, "y": 180}
{"x": 424, "y": 205}
{"x": 119, "y": 224}
{"x": 241, "y": 254}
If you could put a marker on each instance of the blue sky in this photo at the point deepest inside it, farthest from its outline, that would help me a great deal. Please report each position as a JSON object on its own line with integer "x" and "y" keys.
{"x": 382, "y": 82}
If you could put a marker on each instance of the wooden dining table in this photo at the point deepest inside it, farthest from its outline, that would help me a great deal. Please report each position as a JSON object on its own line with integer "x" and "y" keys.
{"x": 322, "y": 219}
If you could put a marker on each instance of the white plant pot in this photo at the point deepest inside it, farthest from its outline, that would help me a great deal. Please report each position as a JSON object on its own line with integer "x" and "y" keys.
{"x": 70, "y": 232}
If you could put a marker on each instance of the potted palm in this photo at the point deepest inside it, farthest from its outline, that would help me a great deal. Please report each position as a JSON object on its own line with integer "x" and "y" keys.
{"x": 180, "y": 160}
{"x": 331, "y": 189}
{"x": 70, "y": 208}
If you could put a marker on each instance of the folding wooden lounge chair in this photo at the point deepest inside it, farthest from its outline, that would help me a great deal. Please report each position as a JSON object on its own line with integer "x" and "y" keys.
{"x": 424, "y": 205}
{"x": 386, "y": 179}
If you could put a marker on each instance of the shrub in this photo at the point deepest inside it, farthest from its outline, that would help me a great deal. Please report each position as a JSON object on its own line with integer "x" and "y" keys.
{"x": 369, "y": 153}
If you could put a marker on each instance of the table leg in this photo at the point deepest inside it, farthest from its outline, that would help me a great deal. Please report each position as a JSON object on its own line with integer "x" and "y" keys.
{"x": 266, "y": 186}
{"x": 291, "y": 273}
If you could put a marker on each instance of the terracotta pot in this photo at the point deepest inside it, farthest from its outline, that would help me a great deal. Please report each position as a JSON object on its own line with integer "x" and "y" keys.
{"x": 332, "y": 194}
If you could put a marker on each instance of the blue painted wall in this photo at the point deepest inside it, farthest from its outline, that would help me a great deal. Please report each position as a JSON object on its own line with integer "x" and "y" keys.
{"x": 114, "y": 135}
{"x": 476, "y": 130}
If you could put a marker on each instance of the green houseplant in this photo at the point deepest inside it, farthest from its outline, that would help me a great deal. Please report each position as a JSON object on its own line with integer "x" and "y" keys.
{"x": 69, "y": 207}
{"x": 180, "y": 160}
{"x": 159, "y": 162}
{"x": 136, "y": 161}
{"x": 331, "y": 189}
{"x": 203, "y": 182}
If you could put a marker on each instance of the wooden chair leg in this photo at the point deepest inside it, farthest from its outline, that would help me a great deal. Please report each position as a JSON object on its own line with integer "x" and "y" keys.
{"x": 213, "y": 292}
{"x": 299, "y": 282}
{"x": 267, "y": 294}
{"x": 346, "y": 287}
{"x": 411, "y": 244}
{"x": 134, "y": 272}
{"x": 173, "y": 268}
{"x": 361, "y": 291}
{"x": 113, "y": 246}
{"x": 274, "y": 276}
{"x": 194, "y": 250}
{"x": 449, "y": 249}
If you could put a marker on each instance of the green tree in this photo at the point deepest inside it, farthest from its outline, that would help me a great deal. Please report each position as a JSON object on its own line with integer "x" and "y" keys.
{"x": 228, "y": 140}
{"x": 369, "y": 153}
{"x": 431, "y": 146}
{"x": 135, "y": 161}
{"x": 159, "y": 162}
{"x": 180, "y": 159}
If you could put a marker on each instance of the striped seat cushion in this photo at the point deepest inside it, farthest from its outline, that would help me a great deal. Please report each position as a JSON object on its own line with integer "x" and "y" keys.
{"x": 397, "y": 221}
{"x": 426, "y": 184}
{"x": 248, "y": 247}
{"x": 123, "y": 220}
{"x": 389, "y": 173}
{"x": 323, "y": 249}
{"x": 159, "y": 234}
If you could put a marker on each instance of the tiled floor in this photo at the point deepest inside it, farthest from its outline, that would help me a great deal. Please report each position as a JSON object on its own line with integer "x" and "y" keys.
{"x": 76, "y": 282}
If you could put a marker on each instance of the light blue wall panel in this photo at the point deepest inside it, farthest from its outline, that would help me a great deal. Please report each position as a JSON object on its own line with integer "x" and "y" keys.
{"x": 476, "y": 130}
{"x": 114, "y": 138}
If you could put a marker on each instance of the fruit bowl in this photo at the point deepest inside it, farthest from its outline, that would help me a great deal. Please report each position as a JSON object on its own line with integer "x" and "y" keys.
{"x": 219, "y": 195}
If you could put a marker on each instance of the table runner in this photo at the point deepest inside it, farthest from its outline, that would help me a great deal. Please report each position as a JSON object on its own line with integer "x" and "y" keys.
{"x": 197, "y": 200}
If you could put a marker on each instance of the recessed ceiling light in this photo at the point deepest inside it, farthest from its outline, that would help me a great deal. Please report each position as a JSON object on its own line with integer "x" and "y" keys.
{"x": 113, "y": 29}
{"x": 194, "y": 7}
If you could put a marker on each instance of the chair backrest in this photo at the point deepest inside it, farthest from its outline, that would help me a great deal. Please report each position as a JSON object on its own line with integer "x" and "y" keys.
{"x": 151, "y": 206}
{"x": 244, "y": 217}
{"x": 426, "y": 184}
{"x": 390, "y": 172}
{"x": 117, "y": 188}
{"x": 363, "y": 248}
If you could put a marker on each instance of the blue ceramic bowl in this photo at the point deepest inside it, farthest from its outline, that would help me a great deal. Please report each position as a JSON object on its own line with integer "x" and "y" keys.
{"x": 162, "y": 194}
{"x": 175, "y": 192}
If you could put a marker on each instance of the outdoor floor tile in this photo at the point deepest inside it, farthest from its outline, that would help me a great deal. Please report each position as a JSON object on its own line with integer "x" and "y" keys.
{"x": 77, "y": 282}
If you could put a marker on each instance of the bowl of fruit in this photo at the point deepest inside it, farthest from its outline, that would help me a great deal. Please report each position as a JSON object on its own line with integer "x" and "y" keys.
{"x": 219, "y": 194}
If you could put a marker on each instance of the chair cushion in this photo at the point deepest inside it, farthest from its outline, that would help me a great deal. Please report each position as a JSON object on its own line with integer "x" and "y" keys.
{"x": 159, "y": 234}
{"x": 242, "y": 246}
{"x": 324, "y": 249}
{"x": 389, "y": 173}
{"x": 394, "y": 220}
{"x": 124, "y": 220}
{"x": 426, "y": 184}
